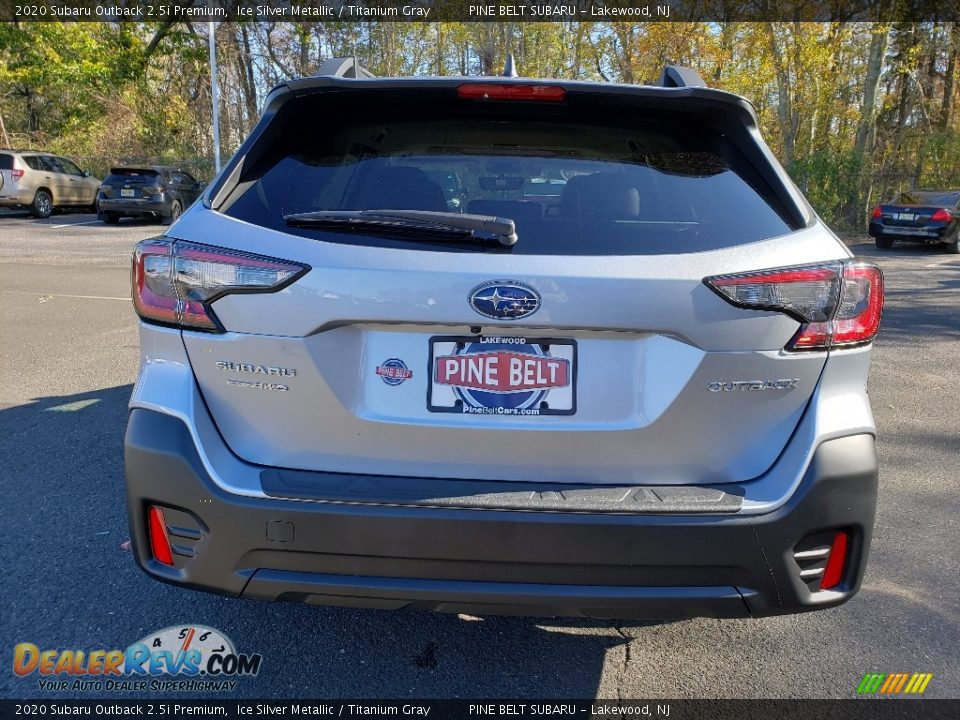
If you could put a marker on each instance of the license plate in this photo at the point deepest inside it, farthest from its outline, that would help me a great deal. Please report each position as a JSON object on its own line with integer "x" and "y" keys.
{"x": 906, "y": 216}
{"x": 127, "y": 193}
{"x": 502, "y": 375}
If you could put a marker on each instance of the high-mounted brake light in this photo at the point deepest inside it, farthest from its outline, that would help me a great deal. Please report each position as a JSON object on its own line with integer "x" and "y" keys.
{"x": 877, "y": 213}
{"x": 511, "y": 91}
{"x": 942, "y": 215}
{"x": 175, "y": 282}
{"x": 838, "y": 303}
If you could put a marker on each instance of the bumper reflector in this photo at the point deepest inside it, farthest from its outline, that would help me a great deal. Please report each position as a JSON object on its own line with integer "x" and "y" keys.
{"x": 159, "y": 541}
{"x": 836, "y": 561}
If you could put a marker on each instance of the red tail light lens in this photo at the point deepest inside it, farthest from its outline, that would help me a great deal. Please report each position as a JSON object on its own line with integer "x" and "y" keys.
{"x": 836, "y": 561}
{"x": 838, "y": 303}
{"x": 16, "y": 174}
{"x": 877, "y": 213}
{"x": 160, "y": 546}
{"x": 511, "y": 91}
{"x": 942, "y": 215}
{"x": 175, "y": 282}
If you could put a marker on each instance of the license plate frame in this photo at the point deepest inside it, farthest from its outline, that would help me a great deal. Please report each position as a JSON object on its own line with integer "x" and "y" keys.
{"x": 906, "y": 217}
{"x": 128, "y": 192}
{"x": 563, "y": 349}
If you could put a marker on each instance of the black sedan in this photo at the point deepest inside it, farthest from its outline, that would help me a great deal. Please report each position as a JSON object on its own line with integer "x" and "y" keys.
{"x": 924, "y": 216}
{"x": 157, "y": 192}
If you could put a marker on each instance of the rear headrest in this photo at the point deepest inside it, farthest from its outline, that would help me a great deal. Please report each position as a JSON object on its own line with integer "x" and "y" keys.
{"x": 513, "y": 209}
{"x": 401, "y": 188}
{"x": 601, "y": 196}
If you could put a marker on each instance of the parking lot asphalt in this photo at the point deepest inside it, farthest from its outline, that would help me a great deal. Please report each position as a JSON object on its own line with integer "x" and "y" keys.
{"x": 69, "y": 359}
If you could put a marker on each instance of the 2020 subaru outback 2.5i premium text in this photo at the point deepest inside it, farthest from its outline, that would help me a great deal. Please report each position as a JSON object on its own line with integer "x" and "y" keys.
{"x": 643, "y": 395}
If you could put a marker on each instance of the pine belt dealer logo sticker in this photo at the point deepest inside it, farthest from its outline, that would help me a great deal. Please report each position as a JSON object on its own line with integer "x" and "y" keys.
{"x": 894, "y": 683}
{"x": 177, "y": 658}
{"x": 393, "y": 371}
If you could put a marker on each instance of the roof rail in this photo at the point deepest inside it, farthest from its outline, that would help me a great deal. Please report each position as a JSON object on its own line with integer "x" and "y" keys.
{"x": 675, "y": 76}
{"x": 343, "y": 67}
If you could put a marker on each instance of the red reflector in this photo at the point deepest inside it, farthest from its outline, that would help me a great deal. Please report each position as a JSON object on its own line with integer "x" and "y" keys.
{"x": 16, "y": 174}
{"x": 877, "y": 213}
{"x": 942, "y": 215}
{"x": 159, "y": 541}
{"x": 511, "y": 91}
{"x": 836, "y": 561}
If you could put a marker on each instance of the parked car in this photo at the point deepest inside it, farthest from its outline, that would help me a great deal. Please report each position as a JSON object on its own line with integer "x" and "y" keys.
{"x": 919, "y": 216}
{"x": 650, "y": 402}
{"x": 41, "y": 182}
{"x": 156, "y": 192}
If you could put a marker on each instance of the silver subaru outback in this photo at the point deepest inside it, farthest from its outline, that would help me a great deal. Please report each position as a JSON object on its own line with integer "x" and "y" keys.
{"x": 500, "y": 346}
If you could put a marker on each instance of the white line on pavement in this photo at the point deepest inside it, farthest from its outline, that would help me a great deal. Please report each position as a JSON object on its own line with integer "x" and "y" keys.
{"x": 86, "y": 222}
{"x": 56, "y": 295}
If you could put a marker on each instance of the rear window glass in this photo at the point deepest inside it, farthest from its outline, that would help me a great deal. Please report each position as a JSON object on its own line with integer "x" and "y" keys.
{"x": 927, "y": 197}
{"x": 572, "y": 186}
{"x": 6, "y": 162}
{"x": 129, "y": 175}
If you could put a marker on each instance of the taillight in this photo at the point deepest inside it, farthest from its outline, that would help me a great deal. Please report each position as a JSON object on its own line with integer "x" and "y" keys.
{"x": 16, "y": 174}
{"x": 877, "y": 213}
{"x": 942, "y": 215}
{"x": 175, "y": 282}
{"x": 511, "y": 91}
{"x": 838, "y": 303}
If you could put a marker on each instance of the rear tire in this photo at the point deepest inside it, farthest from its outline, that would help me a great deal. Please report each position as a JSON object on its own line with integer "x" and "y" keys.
{"x": 884, "y": 243}
{"x": 954, "y": 247}
{"x": 108, "y": 218}
{"x": 176, "y": 210}
{"x": 42, "y": 205}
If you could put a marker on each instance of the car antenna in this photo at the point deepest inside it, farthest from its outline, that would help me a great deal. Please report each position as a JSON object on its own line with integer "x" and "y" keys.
{"x": 510, "y": 68}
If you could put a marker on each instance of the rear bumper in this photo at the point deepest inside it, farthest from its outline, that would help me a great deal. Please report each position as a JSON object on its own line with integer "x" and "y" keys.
{"x": 925, "y": 234}
{"x": 495, "y": 561}
{"x": 134, "y": 206}
{"x": 16, "y": 198}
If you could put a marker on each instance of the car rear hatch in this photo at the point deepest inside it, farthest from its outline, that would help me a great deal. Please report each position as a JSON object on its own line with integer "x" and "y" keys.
{"x": 591, "y": 351}
{"x": 130, "y": 183}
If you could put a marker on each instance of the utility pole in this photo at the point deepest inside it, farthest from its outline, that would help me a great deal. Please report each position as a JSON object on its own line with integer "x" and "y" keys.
{"x": 215, "y": 95}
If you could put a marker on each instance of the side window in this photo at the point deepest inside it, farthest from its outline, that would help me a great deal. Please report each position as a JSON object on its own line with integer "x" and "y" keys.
{"x": 69, "y": 168}
{"x": 188, "y": 179}
{"x": 33, "y": 162}
{"x": 53, "y": 164}
{"x": 176, "y": 179}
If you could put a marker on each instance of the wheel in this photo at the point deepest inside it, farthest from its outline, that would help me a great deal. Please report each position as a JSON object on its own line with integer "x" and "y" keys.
{"x": 42, "y": 204}
{"x": 175, "y": 211}
{"x": 884, "y": 243}
{"x": 108, "y": 218}
{"x": 954, "y": 247}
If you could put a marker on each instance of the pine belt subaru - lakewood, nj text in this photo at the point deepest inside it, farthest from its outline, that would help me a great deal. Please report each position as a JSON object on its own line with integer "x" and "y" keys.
{"x": 379, "y": 371}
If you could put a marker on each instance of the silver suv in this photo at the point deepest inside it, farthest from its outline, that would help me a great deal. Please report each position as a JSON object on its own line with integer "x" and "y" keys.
{"x": 639, "y": 391}
{"x": 41, "y": 182}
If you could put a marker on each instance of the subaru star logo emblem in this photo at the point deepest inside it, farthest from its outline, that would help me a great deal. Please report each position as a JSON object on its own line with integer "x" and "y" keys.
{"x": 504, "y": 300}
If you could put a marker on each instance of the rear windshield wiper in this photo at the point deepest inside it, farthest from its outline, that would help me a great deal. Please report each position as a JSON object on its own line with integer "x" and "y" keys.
{"x": 412, "y": 224}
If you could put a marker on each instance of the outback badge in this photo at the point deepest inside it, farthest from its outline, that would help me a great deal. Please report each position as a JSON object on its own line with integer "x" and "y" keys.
{"x": 504, "y": 300}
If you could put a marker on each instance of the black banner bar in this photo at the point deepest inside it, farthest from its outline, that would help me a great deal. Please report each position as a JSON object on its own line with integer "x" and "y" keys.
{"x": 853, "y": 709}
{"x": 478, "y": 10}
